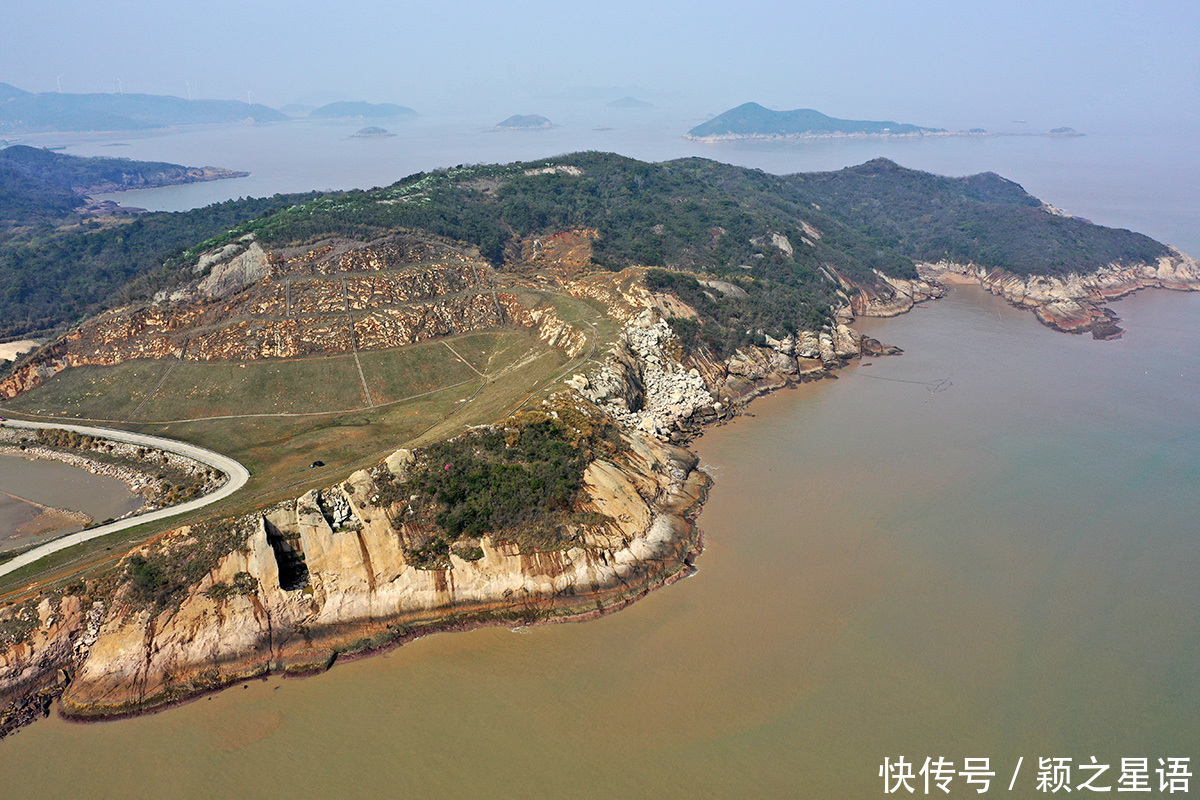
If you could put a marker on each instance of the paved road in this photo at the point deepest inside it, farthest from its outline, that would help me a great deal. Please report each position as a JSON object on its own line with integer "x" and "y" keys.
{"x": 238, "y": 475}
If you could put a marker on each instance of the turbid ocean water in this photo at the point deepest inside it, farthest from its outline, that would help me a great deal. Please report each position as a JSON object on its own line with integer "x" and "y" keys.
{"x": 984, "y": 548}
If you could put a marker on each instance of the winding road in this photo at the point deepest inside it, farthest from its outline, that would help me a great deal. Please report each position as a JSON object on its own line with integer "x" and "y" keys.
{"x": 238, "y": 475}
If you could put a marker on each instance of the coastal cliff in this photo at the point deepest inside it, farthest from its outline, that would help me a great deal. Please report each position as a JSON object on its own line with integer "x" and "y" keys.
{"x": 331, "y": 573}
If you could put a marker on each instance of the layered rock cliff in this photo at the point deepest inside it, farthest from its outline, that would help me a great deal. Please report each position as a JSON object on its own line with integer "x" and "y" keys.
{"x": 328, "y": 573}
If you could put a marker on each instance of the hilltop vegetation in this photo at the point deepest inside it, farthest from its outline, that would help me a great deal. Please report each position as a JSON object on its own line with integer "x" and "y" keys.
{"x": 51, "y": 276}
{"x": 980, "y": 219}
{"x": 753, "y": 120}
{"x": 777, "y": 237}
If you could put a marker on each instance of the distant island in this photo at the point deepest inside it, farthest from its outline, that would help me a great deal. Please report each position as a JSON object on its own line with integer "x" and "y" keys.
{"x": 523, "y": 122}
{"x": 753, "y": 121}
{"x": 372, "y": 132}
{"x": 343, "y": 110}
{"x": 629, "y": 102}
{"x": 26, "y": 112}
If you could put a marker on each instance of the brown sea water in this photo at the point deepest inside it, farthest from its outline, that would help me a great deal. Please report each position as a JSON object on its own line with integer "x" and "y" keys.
{"x": 986, "y": 547}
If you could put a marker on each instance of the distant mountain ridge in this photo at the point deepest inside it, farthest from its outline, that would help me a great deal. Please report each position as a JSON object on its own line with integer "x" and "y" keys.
{"x": 26, "y": 112}
{"x": 753, "y": 121}
{"x": 343, "y": 109}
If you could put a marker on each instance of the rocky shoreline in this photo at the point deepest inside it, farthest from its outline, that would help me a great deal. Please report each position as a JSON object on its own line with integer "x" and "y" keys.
{"x": 1074, "y": 303}
{"x": 361, "y": 596}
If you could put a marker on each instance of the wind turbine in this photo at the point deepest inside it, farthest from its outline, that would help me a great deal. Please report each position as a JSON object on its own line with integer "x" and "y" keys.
{"x": 189, "y": 87}
{"x": 58, "y": 80}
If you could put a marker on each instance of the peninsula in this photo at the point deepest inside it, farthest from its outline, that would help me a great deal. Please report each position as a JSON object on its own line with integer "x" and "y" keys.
{"x": 97, "y": 175}
{"x": 465, "y": 399}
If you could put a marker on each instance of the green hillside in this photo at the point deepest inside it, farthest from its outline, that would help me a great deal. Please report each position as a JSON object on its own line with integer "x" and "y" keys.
{"x": 691, "y": 214}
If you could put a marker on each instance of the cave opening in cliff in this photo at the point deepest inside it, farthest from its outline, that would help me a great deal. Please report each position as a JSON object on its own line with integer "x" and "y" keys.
{"x": 293, "y": 573}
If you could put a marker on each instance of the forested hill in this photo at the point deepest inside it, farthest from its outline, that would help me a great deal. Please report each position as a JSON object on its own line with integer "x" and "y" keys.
{"x": 981, "y": 219}
{"x": 777, "y": 236}
{"x": 699, "y": 214}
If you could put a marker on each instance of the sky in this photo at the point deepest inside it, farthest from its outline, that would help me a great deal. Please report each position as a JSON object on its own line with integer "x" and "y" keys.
{"x": 944, "y": 64}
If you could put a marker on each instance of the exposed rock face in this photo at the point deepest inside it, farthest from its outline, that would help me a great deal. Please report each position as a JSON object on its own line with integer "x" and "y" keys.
{"x": 31, "y": 671}
{"x": 246, "y": 268}
{"x": 889, "y": 296}
{"x": 643, "y": 385}
{"x": 647, "y": 384}
{"x": 1074, "y": 303}
{"x": 334, "y": 297}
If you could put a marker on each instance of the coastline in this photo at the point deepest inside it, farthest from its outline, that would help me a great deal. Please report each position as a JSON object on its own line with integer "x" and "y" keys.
{"x": 676, "y": 402}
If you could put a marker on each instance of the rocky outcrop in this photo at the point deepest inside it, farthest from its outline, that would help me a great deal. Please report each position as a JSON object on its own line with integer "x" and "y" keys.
{"x": 888, "y": 296}
{"x": 643, "y": 385}
{"x": 647, "y": 383}
{"x": 34, "y": 660}
{"x": 1074, "y": 303}
{"x": 225, "y": 278}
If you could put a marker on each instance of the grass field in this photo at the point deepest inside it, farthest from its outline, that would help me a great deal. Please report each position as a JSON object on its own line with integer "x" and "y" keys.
{"x": 279, "y": 416}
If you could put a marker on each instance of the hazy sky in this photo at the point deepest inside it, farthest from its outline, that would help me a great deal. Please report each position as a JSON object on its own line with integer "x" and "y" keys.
{"x": 950, "y": 64}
